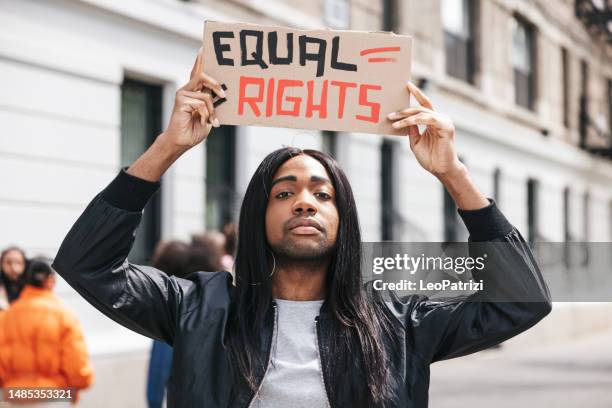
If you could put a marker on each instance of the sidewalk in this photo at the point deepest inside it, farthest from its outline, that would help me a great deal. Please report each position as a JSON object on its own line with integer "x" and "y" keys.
{"x": 570, "y": 374}
{"x": 120, "y": 381}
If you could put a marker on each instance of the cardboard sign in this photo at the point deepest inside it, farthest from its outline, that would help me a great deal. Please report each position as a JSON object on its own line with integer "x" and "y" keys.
{"x": 321, "y": 79}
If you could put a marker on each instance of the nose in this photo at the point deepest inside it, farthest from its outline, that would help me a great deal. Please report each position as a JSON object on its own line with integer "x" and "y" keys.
{"x": 304, "y": 205}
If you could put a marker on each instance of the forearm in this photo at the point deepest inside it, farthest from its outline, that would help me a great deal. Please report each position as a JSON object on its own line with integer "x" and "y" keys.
{"x": 463, "y": 190}
{"x": 157, "y": 159}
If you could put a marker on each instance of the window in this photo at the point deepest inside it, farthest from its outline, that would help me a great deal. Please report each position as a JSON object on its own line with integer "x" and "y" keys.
{"x": 387, "y": 181}
{"x": 532, "y": 210}
{"x": 567, "y": 237}
{"x": 336, "y": 14}
{"x": 458, "y": 20}
{"x": 390, "y": 12}
{"x": 496, "y": 186}
{"x": 586, "y": 226}
{"x": 220, "y": 177}
{"x": 610, "y": 107}
{"x": 565, "y": 86}
{"x": 610, "y": 219}
{"x": 583, "y": 118}
{"x": 586, "y": 207}
{"x": 141, "y": 105}
{"x": 451, "y": 220}
{"x": 454, "y": 229}
{"x": 523, "y": 62}
{"x": 329, "y": 142}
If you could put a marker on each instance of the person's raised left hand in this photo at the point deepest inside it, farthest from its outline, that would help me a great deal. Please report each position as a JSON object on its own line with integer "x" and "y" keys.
{"x": 434, "y": 148}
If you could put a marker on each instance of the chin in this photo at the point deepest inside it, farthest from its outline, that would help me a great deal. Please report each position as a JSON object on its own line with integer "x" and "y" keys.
{"x": 303, "y": 248}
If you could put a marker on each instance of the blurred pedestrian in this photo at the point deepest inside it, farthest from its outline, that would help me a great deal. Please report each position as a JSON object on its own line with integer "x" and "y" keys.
{"x": 231, "y": 238}
{"x": 178, "y": 259}
{"x": 41, "y": 342}
{"x": 171, "y": 257}
{"x": 206, "y": 252}
{"x": 12, "y": 266}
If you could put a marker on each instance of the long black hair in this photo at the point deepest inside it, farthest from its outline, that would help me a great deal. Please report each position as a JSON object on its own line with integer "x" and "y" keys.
{"x": 13, "y": 288}
{"x": 12, "y": 248}
{"x": 355, "y": 318}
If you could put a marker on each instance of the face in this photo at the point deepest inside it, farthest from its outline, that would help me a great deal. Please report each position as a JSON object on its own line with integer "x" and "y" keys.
{"x": 13, "y": 265}
{"x": 302, "y": 218}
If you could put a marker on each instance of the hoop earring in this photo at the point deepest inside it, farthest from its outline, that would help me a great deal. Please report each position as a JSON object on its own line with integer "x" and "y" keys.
{"x": 273, "y": 269}
{"x": 274, "y": 263}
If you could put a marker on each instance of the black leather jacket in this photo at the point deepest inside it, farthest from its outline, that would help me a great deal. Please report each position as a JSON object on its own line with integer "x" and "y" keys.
{"x": 191, "y": 314}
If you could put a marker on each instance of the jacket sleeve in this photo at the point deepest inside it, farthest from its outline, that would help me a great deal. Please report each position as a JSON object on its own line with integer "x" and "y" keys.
{"x": 453, "y": 327}
{"x": 74, "y": 360}
{"x": 93, "y": 260}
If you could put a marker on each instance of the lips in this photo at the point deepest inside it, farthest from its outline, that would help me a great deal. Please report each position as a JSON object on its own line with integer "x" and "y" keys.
{"x": 305, "y": 222}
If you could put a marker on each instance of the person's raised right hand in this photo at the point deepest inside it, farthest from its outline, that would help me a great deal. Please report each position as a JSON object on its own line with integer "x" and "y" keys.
{"x": 193, "y": 114}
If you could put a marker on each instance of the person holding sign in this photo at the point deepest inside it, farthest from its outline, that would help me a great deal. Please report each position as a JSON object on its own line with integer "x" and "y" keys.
{"x": 297, "y": 327}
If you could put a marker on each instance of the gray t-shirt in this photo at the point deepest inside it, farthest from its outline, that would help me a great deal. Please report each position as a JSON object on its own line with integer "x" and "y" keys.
{"x": 294, "y": 378}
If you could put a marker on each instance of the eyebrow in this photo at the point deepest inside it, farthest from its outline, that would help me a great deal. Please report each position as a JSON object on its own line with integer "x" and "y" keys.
{"x": 314, "y": 179}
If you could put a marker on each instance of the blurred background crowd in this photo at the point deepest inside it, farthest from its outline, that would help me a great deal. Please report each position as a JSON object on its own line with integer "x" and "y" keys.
{"x": 88, "y": 84}
{"x": 41, "y": 340}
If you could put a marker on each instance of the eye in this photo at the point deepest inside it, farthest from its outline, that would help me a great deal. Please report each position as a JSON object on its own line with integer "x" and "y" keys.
{"x": 324, "y": 196}
{"x": 283, "y": 194}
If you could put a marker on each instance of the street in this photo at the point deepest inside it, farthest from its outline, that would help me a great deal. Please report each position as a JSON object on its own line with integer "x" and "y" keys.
{"x": 570, "y": 374}
{"x": 574, "y": 373}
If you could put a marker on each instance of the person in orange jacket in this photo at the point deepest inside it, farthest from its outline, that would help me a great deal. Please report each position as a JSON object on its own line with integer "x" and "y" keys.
{"x": 41, "y": 343}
